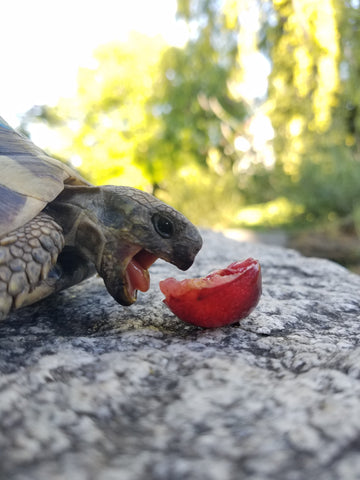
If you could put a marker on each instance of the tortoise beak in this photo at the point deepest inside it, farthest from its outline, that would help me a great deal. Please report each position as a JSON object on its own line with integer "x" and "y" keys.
{"x": 125, "y": 271}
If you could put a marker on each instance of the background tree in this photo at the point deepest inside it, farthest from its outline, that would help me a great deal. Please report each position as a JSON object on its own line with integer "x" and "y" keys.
{"x": 177, "y": 121}
{"x": 106, "y": 125}
{"x": 313, "y": 47}
{"x": 162, "y": 119}
{"x": 191, "y": 158}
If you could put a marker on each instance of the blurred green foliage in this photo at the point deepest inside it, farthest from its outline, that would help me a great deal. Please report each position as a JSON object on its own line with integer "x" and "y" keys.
{"x": 178, "y": 122}
{"x": 313, "y": 103}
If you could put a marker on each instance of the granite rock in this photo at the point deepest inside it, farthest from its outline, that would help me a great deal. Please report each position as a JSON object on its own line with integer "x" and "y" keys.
{"x": 90, "y": 390}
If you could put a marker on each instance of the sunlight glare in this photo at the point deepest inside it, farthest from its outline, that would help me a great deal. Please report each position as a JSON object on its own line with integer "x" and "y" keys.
{"x": 43, "y": 136}
{"x": 242, "y": 144}
{"x": 76, "y": 161}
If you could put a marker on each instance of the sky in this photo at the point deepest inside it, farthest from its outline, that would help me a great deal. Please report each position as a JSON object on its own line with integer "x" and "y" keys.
{"x": 44, "y": 42}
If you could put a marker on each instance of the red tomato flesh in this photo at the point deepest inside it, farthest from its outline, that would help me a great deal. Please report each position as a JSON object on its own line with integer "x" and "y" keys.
{"x": 221, "y": 298}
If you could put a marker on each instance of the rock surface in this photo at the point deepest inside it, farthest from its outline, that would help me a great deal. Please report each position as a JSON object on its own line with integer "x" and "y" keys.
{"x": 90, "y": 390}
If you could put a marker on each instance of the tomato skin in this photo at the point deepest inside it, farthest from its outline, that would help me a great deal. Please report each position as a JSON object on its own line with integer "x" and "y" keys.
{"x": 221, "y": 298}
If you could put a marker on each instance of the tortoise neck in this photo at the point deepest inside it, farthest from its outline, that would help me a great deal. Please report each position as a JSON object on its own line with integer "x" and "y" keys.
{"x": 73, "y": 210}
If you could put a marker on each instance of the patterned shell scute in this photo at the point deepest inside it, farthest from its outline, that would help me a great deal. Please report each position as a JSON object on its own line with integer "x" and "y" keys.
{"x": 29, "y": 179}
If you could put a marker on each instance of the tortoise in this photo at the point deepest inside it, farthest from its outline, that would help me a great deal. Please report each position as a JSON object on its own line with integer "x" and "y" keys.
{"x": 57, "y": 229}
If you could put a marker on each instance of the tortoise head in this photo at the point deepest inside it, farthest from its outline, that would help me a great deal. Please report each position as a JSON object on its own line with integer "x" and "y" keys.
{"x": 126, "y": 231}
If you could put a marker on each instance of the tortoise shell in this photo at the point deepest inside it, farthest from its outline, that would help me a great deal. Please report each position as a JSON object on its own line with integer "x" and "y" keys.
{"x": 29, "y": 179}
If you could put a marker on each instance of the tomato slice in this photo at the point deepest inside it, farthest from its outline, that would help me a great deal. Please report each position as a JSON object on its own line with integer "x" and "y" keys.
{"x": 221, "y": 298}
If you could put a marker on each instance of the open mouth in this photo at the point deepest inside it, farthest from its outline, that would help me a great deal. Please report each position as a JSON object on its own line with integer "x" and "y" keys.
{"x": 137, "y": 274}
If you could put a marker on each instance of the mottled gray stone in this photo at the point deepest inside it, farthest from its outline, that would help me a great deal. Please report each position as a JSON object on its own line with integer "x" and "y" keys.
{"x": 91, "y": 390}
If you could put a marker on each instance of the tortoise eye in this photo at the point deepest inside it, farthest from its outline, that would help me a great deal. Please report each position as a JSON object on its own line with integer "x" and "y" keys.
{"x": 163, "y": 225}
